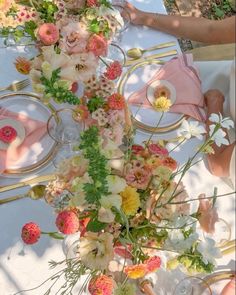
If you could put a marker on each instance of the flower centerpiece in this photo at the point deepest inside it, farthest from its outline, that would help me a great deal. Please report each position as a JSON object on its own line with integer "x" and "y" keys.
{"x": 123, "y": 221}
{"x": 72, "y": 39}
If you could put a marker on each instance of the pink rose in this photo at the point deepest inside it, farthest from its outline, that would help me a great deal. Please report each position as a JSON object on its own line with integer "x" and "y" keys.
{"x": 97, "y": 44}
{"x": 208, "y": 215}
{"x": 48, "y": 34}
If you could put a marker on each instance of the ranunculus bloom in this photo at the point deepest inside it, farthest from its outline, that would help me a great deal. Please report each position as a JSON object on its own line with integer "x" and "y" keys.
{"x": 136, "y": 149}
{"x": 153, "y": 263}
{"x": 208, "y": 215}
{"x": 114, "y": 70}
{"x": 97, "y": 44}
{"x": 138, "y": 177}
{"x": 116, "y": 101}
{"x": 101, "y": 285}
{"x": 170, "y": 163}
{"x": 123, "y": 251}
{"x": 8, "y": 134}
{"x": 30, "y": 233}
{"x": 91, "y": 3}
{"x": 48, "y": 34}
{"x": 136, "y": 271}
{"x": 157, "y": 149}
{"x": 67, "y": 222}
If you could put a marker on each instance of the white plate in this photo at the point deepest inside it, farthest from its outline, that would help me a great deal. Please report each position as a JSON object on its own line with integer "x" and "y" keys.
{"x": 29, "y": 105}
{"x": 148, "y": 116}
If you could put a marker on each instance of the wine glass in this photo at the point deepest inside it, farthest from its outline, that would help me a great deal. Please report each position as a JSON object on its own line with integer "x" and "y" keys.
{"x": 222, "y": 233}
{"x": 192, "y": 286}
{"x": 126, "y": 18}
{"x": 63, "y": 128}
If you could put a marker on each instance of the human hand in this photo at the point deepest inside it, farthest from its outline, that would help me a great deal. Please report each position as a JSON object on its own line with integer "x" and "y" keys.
{"x": 136, "y": 15}
{"x": 213, "y": 97}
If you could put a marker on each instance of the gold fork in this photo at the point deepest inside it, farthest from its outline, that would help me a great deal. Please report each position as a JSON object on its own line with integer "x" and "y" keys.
{"x": 16, "y": 86}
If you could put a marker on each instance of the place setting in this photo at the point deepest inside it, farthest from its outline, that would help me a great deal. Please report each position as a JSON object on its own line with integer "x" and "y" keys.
{"x": 85, "y": 131}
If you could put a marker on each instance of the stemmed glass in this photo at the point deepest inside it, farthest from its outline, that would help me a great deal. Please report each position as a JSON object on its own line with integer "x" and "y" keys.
{"x": 192, "y": 286}
{"x": 119, "y": 6}
{"x": 63, "y": 128}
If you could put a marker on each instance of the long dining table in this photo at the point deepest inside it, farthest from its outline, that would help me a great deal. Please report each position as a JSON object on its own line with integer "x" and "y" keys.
{"x": 25, "y": 267}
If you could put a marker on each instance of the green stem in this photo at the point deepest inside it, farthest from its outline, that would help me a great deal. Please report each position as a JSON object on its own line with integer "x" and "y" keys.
{"x": 11, "y": 199}
{"x": 159, "y": 121}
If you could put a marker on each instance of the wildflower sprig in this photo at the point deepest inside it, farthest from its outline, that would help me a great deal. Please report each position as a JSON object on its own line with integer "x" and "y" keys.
{"x": 97, "y": 169}
{"x": 54, "y": 87}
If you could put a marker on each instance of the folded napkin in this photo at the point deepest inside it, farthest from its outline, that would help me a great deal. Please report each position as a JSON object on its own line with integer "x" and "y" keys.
{"x": 34, "y": 131}
{"x": 230, "y": 288}
{"x": 182, "y": 74}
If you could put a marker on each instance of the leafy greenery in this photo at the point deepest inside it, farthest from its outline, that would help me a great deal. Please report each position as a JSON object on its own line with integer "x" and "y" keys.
{"x": 95, "y": 103}
{"x": 97, "y": 169}
{"x": 60, "y": 93}
{"x": 220, "y": 10}
{"x": 30, "y": 27}
{"x": 47, "y": 10}
{"x": 98, "y": 26}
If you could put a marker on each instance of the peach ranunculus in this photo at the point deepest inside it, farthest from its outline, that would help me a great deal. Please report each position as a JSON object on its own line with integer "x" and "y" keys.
{"x": 97, "y": 44}
{"x": 74, "y": 37}
{"x": 208, "y": 215}
{"x": 48, "y": 33}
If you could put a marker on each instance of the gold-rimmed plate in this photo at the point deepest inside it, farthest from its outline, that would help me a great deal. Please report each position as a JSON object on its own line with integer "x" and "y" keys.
{"x": 39, "y": 153}
{"x": 145, "y": 117}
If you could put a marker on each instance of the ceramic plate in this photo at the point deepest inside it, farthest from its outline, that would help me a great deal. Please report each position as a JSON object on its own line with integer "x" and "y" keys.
{"x": 40, "y": 152}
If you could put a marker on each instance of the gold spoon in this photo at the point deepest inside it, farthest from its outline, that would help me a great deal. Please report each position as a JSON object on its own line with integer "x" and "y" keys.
{"x": 35, "y": 193}
{"x": 138, "y": 52}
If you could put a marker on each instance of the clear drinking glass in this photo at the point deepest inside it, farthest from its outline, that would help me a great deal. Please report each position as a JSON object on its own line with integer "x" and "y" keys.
{"x": 65, "y": 130}
{"x": 192, "y": 286}
{"x": 119, "y": 6}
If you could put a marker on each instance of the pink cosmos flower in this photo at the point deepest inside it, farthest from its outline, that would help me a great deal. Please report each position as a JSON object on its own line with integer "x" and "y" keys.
{"x": 153, "y": 263}
{"x": 208, "y": 215}
{"x": 114, "y": 70}
{"x": 48, "y": 34}
{"x": 8, "y": 134}
{"x": 116, "y": 101}
{"x": 157, "y": 149}
{"x": 67, "y": 222}
{"x": 101, "y": 285}
{"x": 30, "y": 233}
{"x": 97, "y": 44}
{"x": 138, "y": 177}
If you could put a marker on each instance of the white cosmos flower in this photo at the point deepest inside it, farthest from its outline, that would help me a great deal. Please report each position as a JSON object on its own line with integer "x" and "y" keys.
{"x": 224, "y": 122}
{"x": 116, "y": 184}
{"x": 218, "y": 136}
{"x": 209, "y": 251}
{"x": 191, "y": 129}
{"x": 110, "y": 201}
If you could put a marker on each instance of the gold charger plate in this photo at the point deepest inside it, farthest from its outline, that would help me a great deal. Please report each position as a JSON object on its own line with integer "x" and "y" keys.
{"x": 139, "y": 124}
{"x": 18, "y": 101}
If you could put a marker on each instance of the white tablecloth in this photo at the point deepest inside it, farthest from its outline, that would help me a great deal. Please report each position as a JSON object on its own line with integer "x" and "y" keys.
{"x": 23, "y": 267}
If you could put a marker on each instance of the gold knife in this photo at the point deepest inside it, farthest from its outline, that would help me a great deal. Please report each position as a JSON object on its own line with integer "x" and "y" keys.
{"x": 131, "y": 62}
{"x": 29, "y": 182}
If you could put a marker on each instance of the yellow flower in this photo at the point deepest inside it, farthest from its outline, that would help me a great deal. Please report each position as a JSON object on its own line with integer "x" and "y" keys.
{"x": 135, "y": 271}
{"x": 23, "y": 65}
{"x": 172, "y": 264}
{"x": 162, "y": 104}
{"x": 130, "y": 200}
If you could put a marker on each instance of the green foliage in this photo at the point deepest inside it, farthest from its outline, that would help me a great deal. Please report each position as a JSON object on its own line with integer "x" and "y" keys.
{"x": 46, "y": 10}
{"x": 95, "y": 103}
{"x": 95, "y": 226}
{"x": 97, "y": 169}
{"x": 59, "y": 93}
{"x": 30, "y": 27}
{"x": 97, "y": 26}
{"x": 222, "y": 9}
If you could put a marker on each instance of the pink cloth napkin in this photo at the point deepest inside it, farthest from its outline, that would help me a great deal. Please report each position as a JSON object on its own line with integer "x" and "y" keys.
{"x": 182, "y": 74}
{"x": 34, "y": 131}
{"x": 230, "y": 288}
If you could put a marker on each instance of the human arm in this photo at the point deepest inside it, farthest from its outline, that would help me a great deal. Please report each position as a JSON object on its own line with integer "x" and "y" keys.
{"x": 196, "y": 29}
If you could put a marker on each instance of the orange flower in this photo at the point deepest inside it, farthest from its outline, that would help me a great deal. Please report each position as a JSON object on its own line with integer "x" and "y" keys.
{"x": 23, "y": 65}
{"x": 136, "y": 271}
{"x": 170, "y": 163}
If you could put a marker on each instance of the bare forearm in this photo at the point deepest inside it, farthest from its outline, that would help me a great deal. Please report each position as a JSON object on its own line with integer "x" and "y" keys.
{"x": 196, "y": 29}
